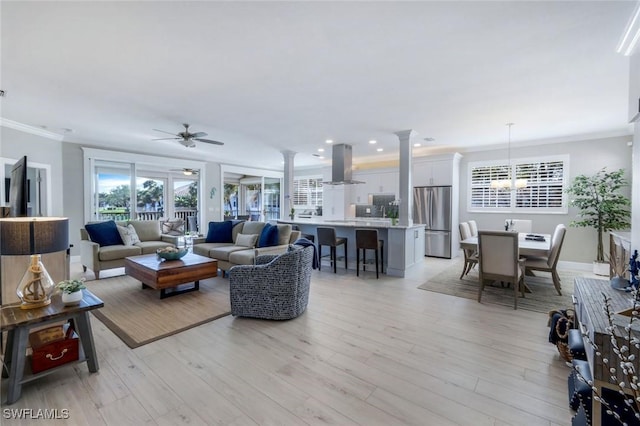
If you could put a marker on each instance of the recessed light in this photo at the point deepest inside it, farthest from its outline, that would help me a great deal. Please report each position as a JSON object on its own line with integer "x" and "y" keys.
{"x": 379, "y": 149}
{"x": 320, "y": 149}
{"x": 417, "y": 144}
{"x": 329, "y": 141}
{"x": 372, "y": 142}
{"x": 321, "y": 157}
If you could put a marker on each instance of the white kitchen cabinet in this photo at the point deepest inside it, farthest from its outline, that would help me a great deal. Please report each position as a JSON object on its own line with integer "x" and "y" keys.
{"x": 376, "y": 181}
{"x": 336, "y": 202}
{"x": 433, "y": 173}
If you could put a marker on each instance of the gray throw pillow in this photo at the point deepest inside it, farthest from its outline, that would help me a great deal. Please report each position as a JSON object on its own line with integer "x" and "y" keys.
{"x": 246, "y": 240}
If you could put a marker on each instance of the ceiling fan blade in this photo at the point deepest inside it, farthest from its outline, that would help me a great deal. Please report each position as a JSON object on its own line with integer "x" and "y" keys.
{"x": 165, "y": 139}
{"x": 208, "y": 141}
{"x": 198, "y": 135}
{"x": 162, "y": 131}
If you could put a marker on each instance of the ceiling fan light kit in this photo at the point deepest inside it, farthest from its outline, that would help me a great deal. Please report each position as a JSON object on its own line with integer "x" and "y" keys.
{"x": 188, "y": 139}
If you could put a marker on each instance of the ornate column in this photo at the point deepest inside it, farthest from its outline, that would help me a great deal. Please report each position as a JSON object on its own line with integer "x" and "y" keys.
{"x": 405, "y": 215}
{"x": 287, "y": 189}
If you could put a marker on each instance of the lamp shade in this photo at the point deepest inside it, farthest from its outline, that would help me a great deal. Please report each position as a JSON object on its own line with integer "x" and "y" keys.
{"x": 33, "y": 235}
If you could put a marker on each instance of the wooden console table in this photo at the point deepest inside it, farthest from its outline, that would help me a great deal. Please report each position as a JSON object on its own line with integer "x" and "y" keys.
{"x": 17, "y": 323}
{"x": 590, "y": 301}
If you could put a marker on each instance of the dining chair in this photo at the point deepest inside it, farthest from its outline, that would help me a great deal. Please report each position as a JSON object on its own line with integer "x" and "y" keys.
{"x": 549, "y": 263}
{"x": 499, "y": 260}
{"x": 520, "y": 225}
{"x": 470, "y": 256}
{"x": 473, "y": 227}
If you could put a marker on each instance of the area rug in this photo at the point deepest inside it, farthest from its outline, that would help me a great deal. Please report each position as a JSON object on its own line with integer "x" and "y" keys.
{"x": 543, "y": 296}
{"x": 139, "y": 316}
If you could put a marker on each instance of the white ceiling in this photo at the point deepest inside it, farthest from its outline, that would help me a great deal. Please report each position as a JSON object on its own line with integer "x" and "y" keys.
{"x": 265, "y": 77}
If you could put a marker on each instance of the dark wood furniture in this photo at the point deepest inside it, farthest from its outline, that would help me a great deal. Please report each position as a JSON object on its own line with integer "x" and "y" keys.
{"x": 17, "y": 323}
{"x": 589, "y": 310}
{"x": 167, "y": 275}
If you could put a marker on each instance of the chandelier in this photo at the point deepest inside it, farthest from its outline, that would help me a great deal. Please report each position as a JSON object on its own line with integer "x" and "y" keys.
{"x": 509, "y": 184}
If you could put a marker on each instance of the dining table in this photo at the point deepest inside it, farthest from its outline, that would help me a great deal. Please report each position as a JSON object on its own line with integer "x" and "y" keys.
{"x": 535, "y": 245}
{"x": 539, "y": 245}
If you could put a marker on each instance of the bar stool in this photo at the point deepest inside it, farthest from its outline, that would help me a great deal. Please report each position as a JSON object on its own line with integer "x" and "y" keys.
{"x": 309, "y": 237}
{"x": 327, "y": 237}
{"x": 367, "y": 239}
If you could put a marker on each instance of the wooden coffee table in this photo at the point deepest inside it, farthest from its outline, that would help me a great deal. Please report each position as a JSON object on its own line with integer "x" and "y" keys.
{"x": 167, "y": 275}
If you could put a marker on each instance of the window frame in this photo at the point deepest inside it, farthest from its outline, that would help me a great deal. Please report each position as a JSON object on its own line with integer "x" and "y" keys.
{"x": 310, "y": 191}
{"x": 512, "y": 208}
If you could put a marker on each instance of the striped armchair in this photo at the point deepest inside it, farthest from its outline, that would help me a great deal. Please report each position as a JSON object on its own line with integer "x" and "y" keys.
{"x": 276, "y": 287}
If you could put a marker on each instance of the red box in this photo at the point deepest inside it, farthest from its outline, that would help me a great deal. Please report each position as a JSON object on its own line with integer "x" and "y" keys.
{"x": 49, "y": 354}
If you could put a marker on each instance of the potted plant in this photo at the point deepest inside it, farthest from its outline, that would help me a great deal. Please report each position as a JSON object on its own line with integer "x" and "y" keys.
{"x": 71, "y": 291}
{"x": 601, "y": 206}
{"x": 292, "y": 213}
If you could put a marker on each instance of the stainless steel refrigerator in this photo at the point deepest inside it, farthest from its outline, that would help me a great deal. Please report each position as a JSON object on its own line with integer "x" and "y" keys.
{"x": 432, "y": 207}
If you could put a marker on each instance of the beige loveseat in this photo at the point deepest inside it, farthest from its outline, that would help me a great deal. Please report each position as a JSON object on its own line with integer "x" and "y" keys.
{"x": 231, "y": 254}
{"x": 97, "y": 258}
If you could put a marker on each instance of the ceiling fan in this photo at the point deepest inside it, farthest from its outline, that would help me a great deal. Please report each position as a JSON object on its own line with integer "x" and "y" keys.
{"x": 187, "y": 171}
{"x": 187, "y": 139}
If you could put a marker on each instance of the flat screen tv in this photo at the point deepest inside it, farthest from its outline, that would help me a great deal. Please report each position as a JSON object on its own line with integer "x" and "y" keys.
{"x": 18, "y": 190}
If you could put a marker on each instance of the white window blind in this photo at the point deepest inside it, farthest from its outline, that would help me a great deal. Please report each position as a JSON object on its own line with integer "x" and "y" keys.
{"x": 544, "y": 193}
{"x": 307, "y": 192}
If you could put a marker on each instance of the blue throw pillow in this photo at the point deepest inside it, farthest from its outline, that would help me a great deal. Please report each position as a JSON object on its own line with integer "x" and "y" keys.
{"x": 268, "y": 236}
{"x": 104, "y": 233}
{"x": 220, "y": 232}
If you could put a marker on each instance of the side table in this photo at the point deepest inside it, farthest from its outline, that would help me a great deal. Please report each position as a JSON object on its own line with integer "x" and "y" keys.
{"x": 17, "y": 323}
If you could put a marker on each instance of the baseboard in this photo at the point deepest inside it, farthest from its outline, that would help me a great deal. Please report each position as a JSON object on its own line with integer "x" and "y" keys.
{"x": 575, "y": 266}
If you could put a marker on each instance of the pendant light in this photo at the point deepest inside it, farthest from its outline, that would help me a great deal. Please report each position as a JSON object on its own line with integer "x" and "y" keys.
{"x": 509, "y": 184}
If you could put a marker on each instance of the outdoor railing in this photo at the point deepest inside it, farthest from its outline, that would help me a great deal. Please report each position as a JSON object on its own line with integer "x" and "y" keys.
{"x": 147, "y": 215}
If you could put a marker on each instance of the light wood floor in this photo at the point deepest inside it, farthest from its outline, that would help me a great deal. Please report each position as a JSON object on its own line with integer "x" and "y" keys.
{"x": 367, "y": 351}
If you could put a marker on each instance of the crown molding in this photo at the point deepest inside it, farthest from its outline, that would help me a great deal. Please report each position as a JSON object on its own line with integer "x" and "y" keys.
{"x": 30, "y": 129}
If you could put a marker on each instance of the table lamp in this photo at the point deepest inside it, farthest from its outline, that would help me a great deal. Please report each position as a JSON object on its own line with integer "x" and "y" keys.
{"x": 34, "y": 236}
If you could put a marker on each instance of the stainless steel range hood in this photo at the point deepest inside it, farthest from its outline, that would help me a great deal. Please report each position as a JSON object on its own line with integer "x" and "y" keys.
{"x": 341, "y": 168}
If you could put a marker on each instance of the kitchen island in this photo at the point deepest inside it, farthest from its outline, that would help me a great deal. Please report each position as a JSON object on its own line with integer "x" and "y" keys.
{"x": 403, "y": 245}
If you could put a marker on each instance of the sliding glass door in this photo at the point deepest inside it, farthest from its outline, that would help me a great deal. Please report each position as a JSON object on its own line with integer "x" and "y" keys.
{"x": 112, "y": 191}
{"x": 251, "y": 194}
{"x": 158, "y": 194}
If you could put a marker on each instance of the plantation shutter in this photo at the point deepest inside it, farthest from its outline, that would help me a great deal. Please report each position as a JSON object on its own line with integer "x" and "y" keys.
{"x": 544, "y": 192}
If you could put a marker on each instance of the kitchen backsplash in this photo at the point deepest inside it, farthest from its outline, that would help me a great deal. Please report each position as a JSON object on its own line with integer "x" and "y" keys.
{"x": 380, "y": 207}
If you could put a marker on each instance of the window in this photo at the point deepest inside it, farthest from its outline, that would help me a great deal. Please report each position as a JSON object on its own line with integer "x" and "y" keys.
{"x": 307, "y": 192}
{"x": 544, "y": 192}
{"x": 124, "y": 186}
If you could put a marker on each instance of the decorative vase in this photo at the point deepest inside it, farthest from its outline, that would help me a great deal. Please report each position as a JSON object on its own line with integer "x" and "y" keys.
{"x": 394, "y": 221}
{"x": 70, "y": 299}
{"x": 619, "y": 283}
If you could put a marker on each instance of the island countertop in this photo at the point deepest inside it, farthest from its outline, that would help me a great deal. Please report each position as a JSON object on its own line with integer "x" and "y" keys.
{"x": 403, "y": 245}
{"x": 358, "y": 222}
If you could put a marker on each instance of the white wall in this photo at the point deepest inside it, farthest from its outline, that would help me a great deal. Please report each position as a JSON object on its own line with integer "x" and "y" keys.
{"x": 585, "y": 157}
{"x": 634, "y": 100}
{"x": 73, "y": 184}
{"x": 38, "y": 149}
{"x": 634, "y": 83}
